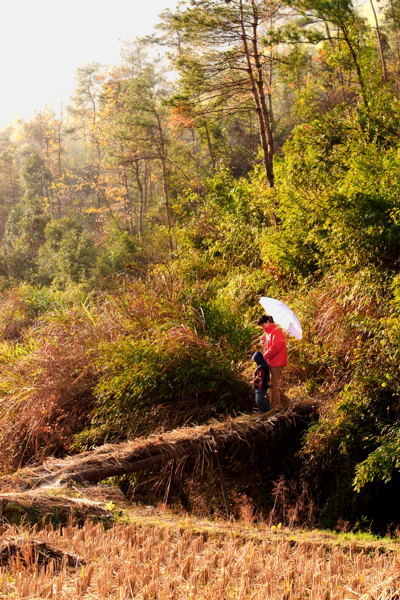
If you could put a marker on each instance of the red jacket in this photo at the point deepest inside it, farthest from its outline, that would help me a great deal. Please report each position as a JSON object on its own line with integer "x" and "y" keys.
{"x": 275, "y": 350}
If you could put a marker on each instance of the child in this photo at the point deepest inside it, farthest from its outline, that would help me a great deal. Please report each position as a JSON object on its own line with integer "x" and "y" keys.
{"x": 261, "y": 382}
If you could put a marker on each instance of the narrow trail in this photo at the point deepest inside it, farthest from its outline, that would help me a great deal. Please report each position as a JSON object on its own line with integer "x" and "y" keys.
{"x": 201, "y": 442}
{"x": 49, "y": 492}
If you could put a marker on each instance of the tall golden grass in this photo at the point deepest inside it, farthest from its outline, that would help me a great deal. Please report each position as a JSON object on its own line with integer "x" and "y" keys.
{"x": 152, "y": 562}
{"x": 46, "y": 389}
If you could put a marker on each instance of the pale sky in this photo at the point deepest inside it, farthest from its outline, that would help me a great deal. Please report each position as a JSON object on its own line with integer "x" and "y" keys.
{"x": 44, "y": 42}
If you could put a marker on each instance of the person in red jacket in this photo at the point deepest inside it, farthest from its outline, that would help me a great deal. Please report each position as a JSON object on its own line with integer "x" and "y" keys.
{"x": 275, "y": 355}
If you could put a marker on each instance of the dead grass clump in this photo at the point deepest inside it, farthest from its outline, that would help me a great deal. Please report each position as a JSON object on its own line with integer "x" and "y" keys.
{"x": 120, "y": 366}
{"x": 47, "y": 390}
{"x": 293, "y": 504}
{"x": 244, "y": 509}
{"x": 335, "y": 302}
{"x": 28, "y": 552}
{"x": 137, "y": 307}
{"x": 154, "y": 562}
{"x": 47, "y": 382}
{"x": 14, "y": 316}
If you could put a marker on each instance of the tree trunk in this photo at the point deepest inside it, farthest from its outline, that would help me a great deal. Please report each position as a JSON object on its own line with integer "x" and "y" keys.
{"x": 338, "y": 70}
{"x": 141, "y": 200}
{"x": 269, "y": 95}
{"x": 360, "y": 77}
{"x": 262, "y": 93}
{"x": 210, "y": 148}
{"x": 380, "y": 45}
{"x": 258, "y": 102}
{"x": 165, "y": 182}
{"x": 59, "y": 141}
{"x": 166, "y": 201}
{"x": 127, "y": 204}
{"x": 397, "y": 49}
{"x": 147, "y": 453}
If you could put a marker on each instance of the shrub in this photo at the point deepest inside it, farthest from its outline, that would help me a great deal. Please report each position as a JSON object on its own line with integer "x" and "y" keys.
{"x": 355, "y": 442}
{"x": 338, "y": 197}
{"x": 68, "y": 253}
{"x": 21, "y": 306}
{"x": 119, "y": 254}
{"x": 170, "y": 379}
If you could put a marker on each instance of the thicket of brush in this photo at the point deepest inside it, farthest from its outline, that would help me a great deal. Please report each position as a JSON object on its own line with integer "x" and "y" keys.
{"x": 81, "y": 366}
{"x": 106, "y": 370}
{"x": 132, "y": 259}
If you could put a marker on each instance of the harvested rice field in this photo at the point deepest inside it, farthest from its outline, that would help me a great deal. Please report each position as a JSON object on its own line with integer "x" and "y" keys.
{"x": 166, "y": 557}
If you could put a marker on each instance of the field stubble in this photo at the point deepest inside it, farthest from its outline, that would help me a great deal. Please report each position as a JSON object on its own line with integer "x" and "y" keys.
{"x": 154, "y": 562}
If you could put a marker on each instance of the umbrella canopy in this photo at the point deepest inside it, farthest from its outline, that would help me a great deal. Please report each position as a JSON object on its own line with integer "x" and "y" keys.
{"x": 282, "y": 316}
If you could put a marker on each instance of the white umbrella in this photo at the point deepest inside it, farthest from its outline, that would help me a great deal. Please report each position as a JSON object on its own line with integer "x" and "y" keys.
{"x": 282, "y": 316}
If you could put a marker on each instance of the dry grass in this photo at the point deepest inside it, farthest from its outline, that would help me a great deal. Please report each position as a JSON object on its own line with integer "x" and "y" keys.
{"x": 14, "y": 316}
{"x": 150, "y": 562}
{"x": 333, "y": 301}
{"x": 200, "y": 442}
{"x": 47, "y": 391}
{"x": 50, "y": 395}
{"x": 48, "y": 377}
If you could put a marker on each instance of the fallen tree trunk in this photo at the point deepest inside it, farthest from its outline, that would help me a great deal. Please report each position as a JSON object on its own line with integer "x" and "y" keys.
{"x": 129, "y": 457}
{"x": 31, "y": 551}
{"x": 33, "y": 507}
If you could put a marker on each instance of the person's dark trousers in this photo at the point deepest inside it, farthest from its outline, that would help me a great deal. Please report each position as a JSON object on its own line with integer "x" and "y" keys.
{"x": 261, "y": 402}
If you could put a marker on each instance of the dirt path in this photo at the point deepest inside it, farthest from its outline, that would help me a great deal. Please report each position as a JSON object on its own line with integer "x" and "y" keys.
{"x": 204, "y": 442}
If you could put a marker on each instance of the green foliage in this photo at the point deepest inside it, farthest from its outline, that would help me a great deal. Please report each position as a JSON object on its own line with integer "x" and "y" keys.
{"x": 21, "y": 306}
{"x": 42, "y": 300}
{"x": 337, "y": 201}
{"x": 68, "y": 254}
{"x": 26, "y": 222}
{"x": 382, "y": 462}
{"x": 171, "y": 378}
{"x": 155, "y": 189}
{"x": 119, "y": 254}
{"x": 355, "y": 442}
{"x": 228, "y": 220}
{"x": 228, "y": 312}
{"x": 326, "y": 9}
{"x": 37, "y": 178}
{"x": 224, "y": 325}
